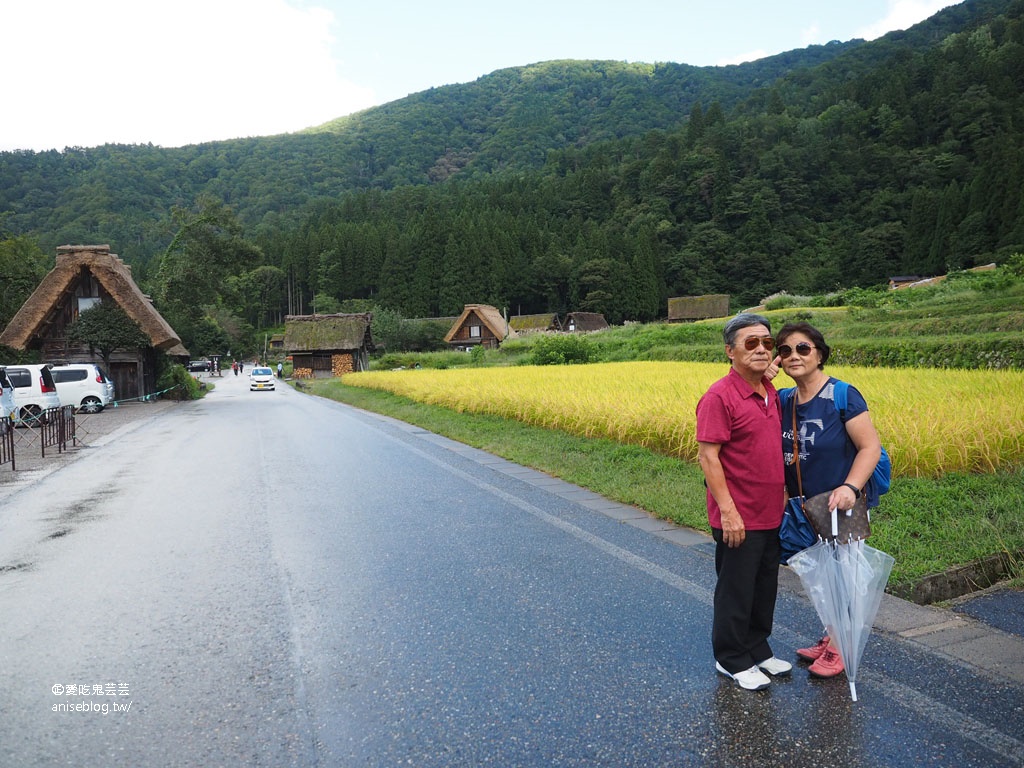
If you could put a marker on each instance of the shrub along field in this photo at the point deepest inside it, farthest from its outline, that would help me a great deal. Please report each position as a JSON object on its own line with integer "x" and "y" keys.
{"x": 955, "y": 429}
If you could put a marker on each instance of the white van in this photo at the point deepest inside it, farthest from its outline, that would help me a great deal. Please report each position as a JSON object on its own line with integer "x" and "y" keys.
{"x": 6, "y": 396}
{"x": 83, "y": 385}
{"x": 34, "y": 391}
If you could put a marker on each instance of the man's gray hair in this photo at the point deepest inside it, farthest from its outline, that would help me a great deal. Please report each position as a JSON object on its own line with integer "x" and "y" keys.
{"x": 743, "y": 320}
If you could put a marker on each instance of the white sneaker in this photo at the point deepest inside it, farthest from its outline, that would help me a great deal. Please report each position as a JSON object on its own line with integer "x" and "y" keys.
{"x": 775, "y": 667}
{"x": 752, "y": 679}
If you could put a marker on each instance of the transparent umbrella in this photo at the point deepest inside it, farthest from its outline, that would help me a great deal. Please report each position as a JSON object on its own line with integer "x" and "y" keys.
{"x": 845, "y": 583}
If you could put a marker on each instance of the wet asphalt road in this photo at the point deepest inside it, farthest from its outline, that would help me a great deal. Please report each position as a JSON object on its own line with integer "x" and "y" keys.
{"x": 271, "y": 579}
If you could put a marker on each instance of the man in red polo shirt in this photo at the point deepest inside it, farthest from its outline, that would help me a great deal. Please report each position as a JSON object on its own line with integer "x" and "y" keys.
{"x": 740, "y": 452}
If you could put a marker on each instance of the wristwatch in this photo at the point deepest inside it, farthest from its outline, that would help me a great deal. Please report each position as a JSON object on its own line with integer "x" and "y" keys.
{"x": 854, "y": 488}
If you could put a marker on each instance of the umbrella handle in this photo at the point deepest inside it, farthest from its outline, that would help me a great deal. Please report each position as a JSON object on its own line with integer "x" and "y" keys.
{"x": 835, "y": 521}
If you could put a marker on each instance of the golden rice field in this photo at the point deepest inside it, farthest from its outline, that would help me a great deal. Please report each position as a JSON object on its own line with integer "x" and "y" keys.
{"x": 931, "y": 421}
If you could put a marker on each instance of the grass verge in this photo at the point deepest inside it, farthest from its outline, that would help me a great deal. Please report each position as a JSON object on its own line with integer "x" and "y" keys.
{"x": 928, "y": 525}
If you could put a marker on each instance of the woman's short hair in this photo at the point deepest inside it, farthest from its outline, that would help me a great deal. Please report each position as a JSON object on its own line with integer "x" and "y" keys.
{"x": 808, "y": 330}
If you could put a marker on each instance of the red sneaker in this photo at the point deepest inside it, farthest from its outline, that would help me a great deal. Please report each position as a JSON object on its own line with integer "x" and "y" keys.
{"x": 829, "y": 664}
{"x": 812, "y": 653}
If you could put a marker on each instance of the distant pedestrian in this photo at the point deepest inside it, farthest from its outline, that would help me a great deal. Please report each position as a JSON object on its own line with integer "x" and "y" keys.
{"x": 241, "y": 367}
{"x": 280, "y": 370}
{"x": 740, "y": 453}
{"x": 234, "y": 367}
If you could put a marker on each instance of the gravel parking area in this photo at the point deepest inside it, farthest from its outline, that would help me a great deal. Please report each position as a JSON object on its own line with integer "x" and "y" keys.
{"x": 92, "y": 430}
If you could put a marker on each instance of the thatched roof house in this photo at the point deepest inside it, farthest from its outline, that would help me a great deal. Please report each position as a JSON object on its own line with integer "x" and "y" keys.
{"x": 328, "y": 345}
{"x": 479, "y": 325}
{"x": 83, "y": 276}
{"x": 577, "y": 322}
{"x": 535, "y": 323}
{"x": 698, "y": 307}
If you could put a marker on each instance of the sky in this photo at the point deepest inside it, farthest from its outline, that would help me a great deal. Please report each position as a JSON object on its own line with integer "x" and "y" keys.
{"x": 81, "y": 73}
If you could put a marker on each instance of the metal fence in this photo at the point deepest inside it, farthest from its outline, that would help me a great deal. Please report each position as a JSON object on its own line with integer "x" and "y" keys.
{"x": 57, "y": 428}
{"x": 23, "y": 442}
{"x": 7, "y": 442}
{"x": 54, "y": 427}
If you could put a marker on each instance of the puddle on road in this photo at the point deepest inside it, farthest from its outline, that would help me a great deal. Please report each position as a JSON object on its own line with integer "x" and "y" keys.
{"x": 16, "y": 567}
{"x": 84, "y": 511}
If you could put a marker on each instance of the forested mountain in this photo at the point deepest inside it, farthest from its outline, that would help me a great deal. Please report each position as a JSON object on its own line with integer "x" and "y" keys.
{"x": 508, "y": 120}
{"x": 598, "y": 186}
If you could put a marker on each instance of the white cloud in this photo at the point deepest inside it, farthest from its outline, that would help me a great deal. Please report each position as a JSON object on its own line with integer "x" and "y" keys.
{"x": 903, "y": 14}
{"x": 742, "y": 58}
{"x": 171, "y": 74}
{"x": 810, "y": 35}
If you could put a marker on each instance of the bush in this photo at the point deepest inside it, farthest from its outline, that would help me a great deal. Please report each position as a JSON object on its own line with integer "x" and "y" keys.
{"x": 392, "y": 360}
{"x": 561, "y": 350}
{"x": 784, "y": 301}
{"x": 863, "y": 297}
{"x": 175, "y": 383}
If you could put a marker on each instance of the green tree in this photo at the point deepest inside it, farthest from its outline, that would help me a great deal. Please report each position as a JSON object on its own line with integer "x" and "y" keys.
{"x": 107, "y": 328}
{"x": 22, "y": 267}
{"x": 207, "y": 249}
{"x": 260, "y": 294}
{"x": 196, "y": 270}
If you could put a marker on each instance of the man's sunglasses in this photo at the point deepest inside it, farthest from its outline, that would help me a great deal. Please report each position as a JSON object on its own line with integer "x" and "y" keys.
{"x": 803, "y": 349}
{"x": 751, "y": 342}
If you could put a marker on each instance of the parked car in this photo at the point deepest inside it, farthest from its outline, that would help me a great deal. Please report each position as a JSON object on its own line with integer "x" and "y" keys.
{"x": 34, "y": 391}
{"x": 261, "y": 378}
{"x": 6, "y": 396}
{"x": 83, "y": 385}
{"x": 199, "y": 365}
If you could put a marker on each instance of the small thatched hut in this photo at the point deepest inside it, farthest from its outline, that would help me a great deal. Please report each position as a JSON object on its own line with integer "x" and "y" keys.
{"x": 83, "y": 276}
{"x": 322, "y": 346}
{"x": 479, "y": 325}
{"x": 581, "y": 322}
{"x": 698, "y": 307}
{"x": 535, "y": 323}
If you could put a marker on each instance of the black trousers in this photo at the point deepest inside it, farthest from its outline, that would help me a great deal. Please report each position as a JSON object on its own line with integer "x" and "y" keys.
{"x": 744, "y": 606}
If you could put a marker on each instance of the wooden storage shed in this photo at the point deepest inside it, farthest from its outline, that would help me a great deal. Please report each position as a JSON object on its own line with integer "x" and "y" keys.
{"x": 322, "y": 346}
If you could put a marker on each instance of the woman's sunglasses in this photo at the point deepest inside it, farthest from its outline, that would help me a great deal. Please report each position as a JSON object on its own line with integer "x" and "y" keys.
{"x": 803, "y": 349}
{"x": 751, "y": 342}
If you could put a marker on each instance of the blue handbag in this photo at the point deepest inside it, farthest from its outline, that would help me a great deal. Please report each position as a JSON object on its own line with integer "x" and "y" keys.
{"x": 796, "y": 533}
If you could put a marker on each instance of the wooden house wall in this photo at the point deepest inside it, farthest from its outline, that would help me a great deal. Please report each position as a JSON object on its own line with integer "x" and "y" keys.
{"x": 486, "y": 338}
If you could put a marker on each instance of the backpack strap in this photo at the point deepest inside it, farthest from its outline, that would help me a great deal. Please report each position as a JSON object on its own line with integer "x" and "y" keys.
{"x": 839, "y": 398}
{"x": 785, "y": 394}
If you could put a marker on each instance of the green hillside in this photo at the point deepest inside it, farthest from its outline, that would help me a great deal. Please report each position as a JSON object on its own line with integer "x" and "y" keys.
{"x": 594, "y": 186}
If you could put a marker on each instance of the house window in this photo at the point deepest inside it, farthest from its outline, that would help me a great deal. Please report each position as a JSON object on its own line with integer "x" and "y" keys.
{"x": 474, "y": 331}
